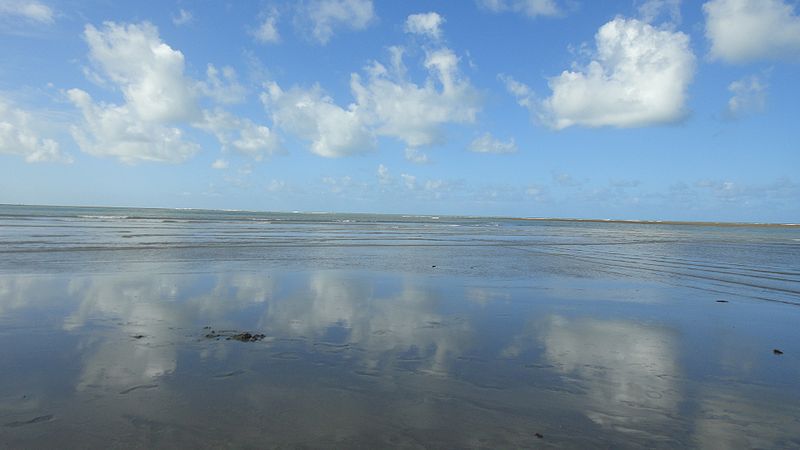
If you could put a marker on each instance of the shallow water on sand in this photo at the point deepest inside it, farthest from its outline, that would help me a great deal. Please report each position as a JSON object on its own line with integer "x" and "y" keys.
{"x": 393, "y": 331}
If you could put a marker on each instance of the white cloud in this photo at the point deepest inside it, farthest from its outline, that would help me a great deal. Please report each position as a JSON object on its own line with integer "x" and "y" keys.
{"x": 723, "y": 190}
{"x": 276, "y": 186}
{"x": 779, "y": 194}
{"x": 415, "y": 156}
{"x": 531, "y": 8}
{"x": 383, "y": 174}
{"x": 486, "y": 143}
{"x": 564, "y": 179}
{"x": 19, "y": 137}
{"x": 31, "y": 10}
{"x": 325, "y": 16}
{"x": 434, "y": 185}
{"x": 749, "y": 96}
{"x": 267, "y": 31}
{"x": 118, "y": 131}
{"x": 426, "y": 24}
{"x": 184, "y": 17}
{"x": 338, "y": 185}
{"x": 220, "y": 164}
{"x": 158, "y": 101}
{"x": 410, "y": 181}
{"x": 416, "y": 113}
{"x": 148, "y": 72}
{"x": 535, "y": 192}
{"x": 224, "y": 90}
{"x": 651, "y": 10}
{"x": 242, "y": 135}
{"x": 157, "y": 95}
{"x": 386, "y": 103}
{"x": 747, "y": 30}
{"x": 524, "y": 94}
{"x": 313, "y": 116}
{"x": 639, "y": 76}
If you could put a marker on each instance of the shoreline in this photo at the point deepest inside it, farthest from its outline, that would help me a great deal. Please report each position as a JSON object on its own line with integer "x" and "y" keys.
{"x": 662, "y": 222}
{"x": 433, "y": 216}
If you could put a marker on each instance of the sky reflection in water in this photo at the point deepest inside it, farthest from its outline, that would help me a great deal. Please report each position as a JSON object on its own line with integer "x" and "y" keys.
{"x": 359, "y": 358}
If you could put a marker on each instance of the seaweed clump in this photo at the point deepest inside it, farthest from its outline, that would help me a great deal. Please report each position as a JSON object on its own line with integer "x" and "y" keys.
{"x": 228, "y": 335}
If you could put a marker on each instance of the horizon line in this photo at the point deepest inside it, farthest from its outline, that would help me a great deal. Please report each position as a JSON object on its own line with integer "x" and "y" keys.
{"x": 471, "y": 216}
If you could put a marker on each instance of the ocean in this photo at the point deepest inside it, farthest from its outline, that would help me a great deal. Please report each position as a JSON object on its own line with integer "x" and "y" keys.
{"x": 172, "y": 328}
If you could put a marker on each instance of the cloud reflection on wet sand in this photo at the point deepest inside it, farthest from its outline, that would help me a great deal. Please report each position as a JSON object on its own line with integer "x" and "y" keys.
{"x": 356, "y": 359}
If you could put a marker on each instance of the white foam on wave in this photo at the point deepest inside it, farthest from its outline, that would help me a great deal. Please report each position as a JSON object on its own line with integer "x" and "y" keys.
{"x": 102, "y": 217}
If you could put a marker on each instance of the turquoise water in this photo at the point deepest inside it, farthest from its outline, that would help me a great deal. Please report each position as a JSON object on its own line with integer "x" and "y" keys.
{"x": 393, "y": 331}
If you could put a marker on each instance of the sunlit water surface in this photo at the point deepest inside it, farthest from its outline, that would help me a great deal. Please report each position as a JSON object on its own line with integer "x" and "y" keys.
{"x": 393, "y": 331}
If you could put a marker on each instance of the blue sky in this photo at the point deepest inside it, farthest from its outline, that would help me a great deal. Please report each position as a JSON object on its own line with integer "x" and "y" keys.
{"x": 637, "y": 109}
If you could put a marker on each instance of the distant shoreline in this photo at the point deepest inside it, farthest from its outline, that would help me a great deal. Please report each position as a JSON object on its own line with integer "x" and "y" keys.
{"x": 438, "y": 216}
{"x": 662, "y": 222}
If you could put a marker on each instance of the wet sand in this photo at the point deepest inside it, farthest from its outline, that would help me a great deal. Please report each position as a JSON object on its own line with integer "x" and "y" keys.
{"x": 395, "y": 334}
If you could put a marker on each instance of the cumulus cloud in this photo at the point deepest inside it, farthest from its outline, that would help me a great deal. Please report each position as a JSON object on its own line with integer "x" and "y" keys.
{"x": 241, "y": 135}
{"x": 486, "y": 143}
{"x": 338, "y": 185}
{"x": 383, "y": 174}
{"x": 117, "y": 131}
{"x": 223, "y": 86}
{"x": 159, "y": 102}
{"x": 276, "y": 186}
{"x": 741, "y": 31}
{"x": 639, "y": 76}
{"x": 267, "y": 31}
{"x": 416, "y": 156}
{"x": 535, "y": 192}
{"x": 415, "y": 113}
{"x": 651, "y": 10}
{"x": 564, "y": 179}
{"x": 387, "y": 103}
{"x": 409, "y": 181}
{"x": 157, "y": 95}
{"x": 434, "y": 185}
{"x": 426, "y": 24}
{"x": 523, "y": 93}
{"x": 220, "y": 164}
{"x": 325, "y": 16}
{"x": 30, "y": 10}
{"x": 531, "y": 8}
{"x": 148, "y": 72}
{"x": 183, "y": 17}
{"x": 749, "y": 96}
{"x": 311, "y": 115}
{"x": 19, "y": 137}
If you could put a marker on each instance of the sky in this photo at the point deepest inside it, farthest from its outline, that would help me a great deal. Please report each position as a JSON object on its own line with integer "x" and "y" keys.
{"x": 629, "y": 109}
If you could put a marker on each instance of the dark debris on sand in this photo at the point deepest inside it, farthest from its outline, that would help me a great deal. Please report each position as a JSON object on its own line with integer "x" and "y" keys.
{"x": 235, "y": 336}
